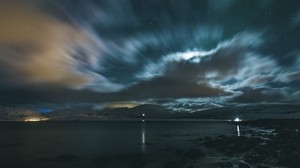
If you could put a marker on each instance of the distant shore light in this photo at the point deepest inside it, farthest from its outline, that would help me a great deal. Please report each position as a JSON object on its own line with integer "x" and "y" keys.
{"x": 35, "y": 119}
{"x": 237, "y": 119}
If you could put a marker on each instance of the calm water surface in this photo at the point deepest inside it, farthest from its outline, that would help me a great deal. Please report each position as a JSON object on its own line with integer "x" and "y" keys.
{"x": 103, "y": 144}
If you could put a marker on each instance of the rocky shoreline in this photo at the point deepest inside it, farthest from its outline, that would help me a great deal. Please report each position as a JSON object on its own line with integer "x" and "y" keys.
{"x": 278, "y": 148}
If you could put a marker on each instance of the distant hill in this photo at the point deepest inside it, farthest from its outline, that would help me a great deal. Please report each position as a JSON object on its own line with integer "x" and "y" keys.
{"x": 17, "y": 114}
{"x": 151, "y": 112}
{"x": 249, "y": 112}
{"x": 73, "y": 114}
{"x": 159, "y": 112}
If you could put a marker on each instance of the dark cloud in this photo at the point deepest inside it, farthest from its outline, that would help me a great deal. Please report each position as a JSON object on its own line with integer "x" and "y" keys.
{"x": 158, "y": 88}
{"x": 164, "y": 87}
{"x": 295, "y": 76}
{"x": 219, "y": 62}
{"x": 97, "y": 51}
{"x": 258, "y": 95}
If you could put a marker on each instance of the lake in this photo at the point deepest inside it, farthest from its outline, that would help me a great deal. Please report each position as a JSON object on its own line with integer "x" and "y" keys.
{"x": 111, "y": 144}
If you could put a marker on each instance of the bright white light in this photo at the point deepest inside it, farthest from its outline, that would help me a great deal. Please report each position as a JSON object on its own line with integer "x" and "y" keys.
{"x": 143, "y": 115}
{"x": 237, "y": 119}
{"x": 35, "y": 119}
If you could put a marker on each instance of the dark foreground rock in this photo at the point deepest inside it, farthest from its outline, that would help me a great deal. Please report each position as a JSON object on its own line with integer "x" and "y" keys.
{"x": 234, "y": 145}
{"x": 194, "y": 154}
{"x": 172, "y": 164}
{"x": 279, "y": 148}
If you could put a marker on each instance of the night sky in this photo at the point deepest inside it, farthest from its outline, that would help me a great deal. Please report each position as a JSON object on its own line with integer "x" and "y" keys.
{"x": 180, "y": 54}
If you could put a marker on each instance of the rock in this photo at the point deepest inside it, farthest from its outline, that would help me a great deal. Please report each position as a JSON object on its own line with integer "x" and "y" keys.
{"x": 253, "y": 157}
{"x": 183, "y": 161}
{"x": 279, "y": 147}
{"x": 198, "y": 140}
{"x": 244, "y": 165}
{"x": 172, "y": 164}
{"x": 178, "y": 152}
{"x": 189, "y": 166}
{"x": 225, "y": 165}
{"x": 291, "y": 160}
{"x": 168, "y": 149}
{"x": 194, "y": 154}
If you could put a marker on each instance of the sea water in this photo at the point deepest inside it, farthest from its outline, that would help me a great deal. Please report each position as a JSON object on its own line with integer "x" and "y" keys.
{"x": 111, "y": 144}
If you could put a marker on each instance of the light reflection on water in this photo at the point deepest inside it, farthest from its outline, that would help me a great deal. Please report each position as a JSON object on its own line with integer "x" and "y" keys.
{"x": 143, "y": 144}
{"x": 238, "y": 130}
